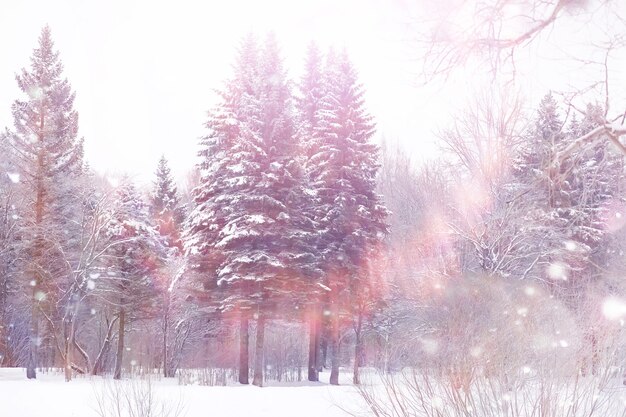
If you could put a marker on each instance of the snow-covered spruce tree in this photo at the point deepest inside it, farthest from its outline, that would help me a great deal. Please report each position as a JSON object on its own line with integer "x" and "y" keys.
{"x": 247, "y": 232}
{"x": 342, "y": 172}
{"x": 289, "y": 231}
{"x": 594, "y": 187}
{"x": 595, "y": 178}
{"x": 168, "y": 214}
{"x": 538, "y": 179}
{"x": 130, "y": 283}
{"x": 49, "y": 159}
{"x": 568, "y": 213}
{"x": 308, "y": 104}
{"x": 572, "y": 199}
{"x": 214, "y": 196}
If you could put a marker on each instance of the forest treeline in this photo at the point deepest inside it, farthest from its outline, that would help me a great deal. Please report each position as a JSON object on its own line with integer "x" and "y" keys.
{"x": 300, "y": 237}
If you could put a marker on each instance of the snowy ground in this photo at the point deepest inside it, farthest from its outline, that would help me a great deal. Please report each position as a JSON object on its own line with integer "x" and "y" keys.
{"x": 50, "y": 396}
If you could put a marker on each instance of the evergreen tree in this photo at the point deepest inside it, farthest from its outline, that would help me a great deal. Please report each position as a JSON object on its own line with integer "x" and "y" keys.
{"x": 342, "y": 171}
{"x": 308, "y": 104}
{"x": 567, "y": 196}
{"x": 223, "y": 168}
{"x": 568, "y": 218}
{"x": 596, "y": 177}
{"x": 248, "y": 226}
{"x": 539, "y": 175}
{"x": 168, "y": 215}
{"x": 131, "y": 281}
{"x": 49, "y": 160}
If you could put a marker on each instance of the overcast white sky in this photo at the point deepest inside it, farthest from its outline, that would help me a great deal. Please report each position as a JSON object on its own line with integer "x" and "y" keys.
{"x": 144, "y": 70}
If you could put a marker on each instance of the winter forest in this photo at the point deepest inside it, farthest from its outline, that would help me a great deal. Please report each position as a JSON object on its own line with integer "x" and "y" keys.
{"x": 304, "y": 251}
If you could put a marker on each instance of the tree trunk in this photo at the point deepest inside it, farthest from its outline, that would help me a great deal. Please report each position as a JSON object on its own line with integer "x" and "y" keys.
{"x": 595, "y": 357}
{"x": 319, "y": 364}
{"x": 334, "y": 346}
{"x": 70, "y": 342}
{"x": 323, "y": 358}
{"x": 120, "y": 346}
{"x": 33, "y": 342}
{"x": 4, "y": 347}
{"x": 358, "y": 349}
{"x": 258, "y": 351}
{"x": 243, "y": 350}
{"x": 166, "y": 371}
{"x": 5, "y": 355}
{"x": 51, "y": 349}
{"x": 67, "y": 366}
{"x": 313, "y": 345}
{"x": 97, "y": 364}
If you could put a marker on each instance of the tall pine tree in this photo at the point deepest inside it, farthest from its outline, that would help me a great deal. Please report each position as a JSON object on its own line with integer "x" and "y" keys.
{"x": 567, "y": 196}
{"x": 220, "y": 188}
{"x": 247, "y": 228}
{"x": 342, "y": 171}
{"x": 49, "y": 159}
{"x": 131, "y": 282}
{"x": 308, "y": 104}
{"x": 168, "y": 215}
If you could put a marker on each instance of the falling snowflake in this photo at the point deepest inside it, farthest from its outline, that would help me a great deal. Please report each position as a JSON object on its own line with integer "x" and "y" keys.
{"x": 476, "y": 351}
{"x": 557, "y": 271}
{"x": 613, "y": 308}
{"x": 430, "y": 346}
{"x": 14, "y": 177}
{"x": 570, "y": 245}
{"x": 114, "y": 182}
{"x": 436, "y": 403}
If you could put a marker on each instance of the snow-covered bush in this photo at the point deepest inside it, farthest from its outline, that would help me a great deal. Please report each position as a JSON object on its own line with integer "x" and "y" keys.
{"x": 134, "y": 398}
{"x": 418, "y": 393}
